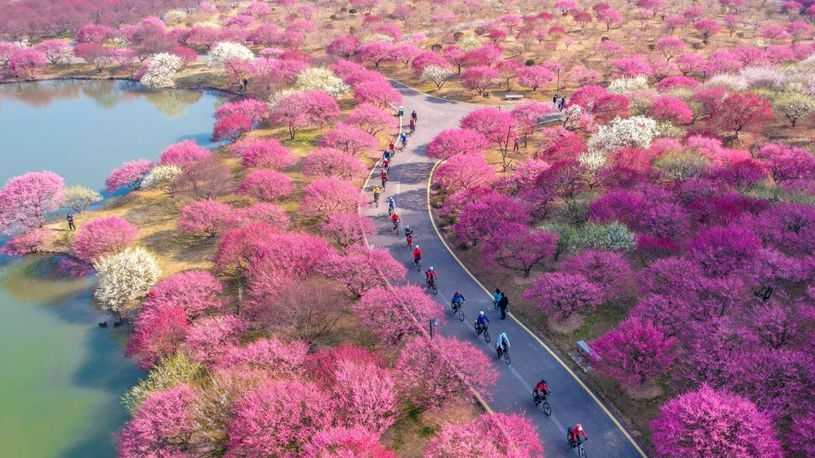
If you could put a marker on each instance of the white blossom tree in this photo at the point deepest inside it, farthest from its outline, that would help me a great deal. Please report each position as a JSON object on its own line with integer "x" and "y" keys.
{"x": 437, "y": 74}
{"x": 794, "y": 106}
{"x": 79, "y": 198}
{"x": 227, "y": 50}
{"x": 622, "y": 133}
{"x": 174, "y": 17}
{"x": 125, "y": 277}
{"x": 625, "y": 85}
{"x": 161, "y": 177}
{"x": 161, "y": 69}
{"x": 321, "y": 79}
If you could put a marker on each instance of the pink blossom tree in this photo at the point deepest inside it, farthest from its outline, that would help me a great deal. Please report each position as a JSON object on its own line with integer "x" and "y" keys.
{"x": 212, "y": 336}
{"x": 365, "y": 396}
{"x": 786, "y": 163}
{"x": 230, "y": 127}
{"x": 253, "y": 109}
{"x": 516, "y": 247}
{"x": 632, "y": 66}
{"x": 721, "y": 251}
{"x": 397, "y": 313}
{"x": 264, "y": 212}
{"x": 163, "y": 425}
{"x": 375, "y": 52}
{"x": 371, "y": 119}
{"x": 329, "y": 162}
{"x": 377, "y": 92}
{"x": 362, "y": 269}
{"x": 26, "y": 199}
{"x": 685, "y": 425}
{"x": 739, "y": 111}
{"x": 607, "y": 270}
{"x": 496, "y": 434}
{"x": 274, "y": 357}
{"x": 266, "y": 184}
{"x": 347, "y": 229}
{"x": 158, "y": 332}
{"x": 564, "y": 295}
{"x": 25, "y": 62}
{"x": 356, "y": 442}
{"x": 278, "y": 418}
{"x": 527, "y": 116}
{"x": 350, "y": 139}
{"x": 535, "y": 76}
{"x": 103, "y": 236}
{"x": 707, "y": 28}
{"x": 23, "y": 243}
{"x": 435, "y": 371}
{"x": 671, "y": 109}
{"x": 464, "y": 172}
{"x": 485, "y": 217}
{"x": 342, "y": 46}
{"x": 634, "y": 353}
{"x": 55, "y": 50}
{"x": 197, "y": 292}
{"x": 263, "y": 152}
{"x": 326, "y": 196}
{"x": 129, "y": 175}
{"x": 304, "y": 109}
{"x": 207, "y": 218}
{"x": 494, "y": 124}
{"x": 453, "y": 142}
{"x": 479, "y": 78}
{"x": 183, "y": 153}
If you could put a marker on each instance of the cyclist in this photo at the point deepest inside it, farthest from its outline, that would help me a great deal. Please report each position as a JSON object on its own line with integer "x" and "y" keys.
{"x": 386, "y": 155}
{"x": 482, "y": 322}
{"x": 395, "y": 219}
{"x": 403, "y": 140}
{"x": 409, "y": 235}
{"x": 386, "y": 164}
{"x": 457, "y": 300}
{"x": 574, "y": 435}
{"x": 430, "y": 276}
{"x": 377, "y": 191}
{"x": 502, "y": 344}
{"x": 391, "y": 146}
{"x": 414, "y": 117}
{"x": 541, "y": 391}
{"x": 417, "y": 255}
{"x": 391, "y": 205}
{"x": 384, "y": 178}
{"x": 412, "y": 125}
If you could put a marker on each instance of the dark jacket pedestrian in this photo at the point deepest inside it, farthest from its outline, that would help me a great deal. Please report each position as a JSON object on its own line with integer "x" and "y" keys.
{"x": 503, "y": 303}
{"x": 71, "y": 226}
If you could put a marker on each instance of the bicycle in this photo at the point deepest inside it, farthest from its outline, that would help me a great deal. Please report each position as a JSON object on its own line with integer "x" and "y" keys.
{"x": 581, "y": 450}
{"x": 458, "y": 309}
{"x": 504, "y": 355}
{"x": 542, "y": 402}
{"x": 418, "y": 263}
{"x": 432, "y": 285}
{"x": 409, "y": 240}
{"x": 396, "y": 226}
{"x": 482, "y": 329}
{"x": 376, "y": 199}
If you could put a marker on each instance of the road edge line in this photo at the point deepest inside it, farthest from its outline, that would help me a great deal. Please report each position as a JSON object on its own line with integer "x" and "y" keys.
{"x": 523, "y": 326}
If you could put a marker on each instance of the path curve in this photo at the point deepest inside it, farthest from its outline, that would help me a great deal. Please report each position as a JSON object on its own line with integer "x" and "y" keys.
{"x": 571, "y": 400}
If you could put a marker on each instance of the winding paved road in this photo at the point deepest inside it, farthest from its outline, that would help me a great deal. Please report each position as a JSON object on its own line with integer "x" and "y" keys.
{"x": 571, "y": 401}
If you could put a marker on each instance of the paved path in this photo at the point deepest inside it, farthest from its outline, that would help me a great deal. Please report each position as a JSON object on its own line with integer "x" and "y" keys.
{"x": 531, "y": 359}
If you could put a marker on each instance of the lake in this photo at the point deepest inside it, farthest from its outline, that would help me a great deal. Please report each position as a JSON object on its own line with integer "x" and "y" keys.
{"x": 61, "y": 376}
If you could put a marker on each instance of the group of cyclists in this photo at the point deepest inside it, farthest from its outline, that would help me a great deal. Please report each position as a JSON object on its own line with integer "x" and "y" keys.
{"x": 575, "y": 435}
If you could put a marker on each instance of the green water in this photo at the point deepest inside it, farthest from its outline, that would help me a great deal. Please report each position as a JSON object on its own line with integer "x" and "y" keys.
{"x": 61, "y": 376}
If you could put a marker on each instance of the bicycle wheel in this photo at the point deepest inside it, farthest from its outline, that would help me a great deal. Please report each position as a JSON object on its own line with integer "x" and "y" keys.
{"x": 581, "y": 451}
{"x": 434, "y": 289}
{"x": 547, "y": 409}
{"x": 487, "y": 336}
{"x": 507, "y": 358}
{"x": 461, "y": 313}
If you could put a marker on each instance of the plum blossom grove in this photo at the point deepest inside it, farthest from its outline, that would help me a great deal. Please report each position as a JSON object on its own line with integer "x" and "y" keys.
{"x": 666, "y": 216}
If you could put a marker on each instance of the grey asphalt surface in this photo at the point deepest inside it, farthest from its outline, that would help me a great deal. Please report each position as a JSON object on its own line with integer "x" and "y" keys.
{"x": 571, "y": 402}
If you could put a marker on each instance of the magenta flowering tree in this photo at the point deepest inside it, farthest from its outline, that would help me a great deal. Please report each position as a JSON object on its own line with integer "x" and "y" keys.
{"x": 23, "y": 243}
{"x": 274, "y": 357}
{"x": 342, "y": 46}
{"x": 721, "y": 251}
{"x": 350, "y": 139}
{"x": 737, "y": 112}
{"x": 634, "y": 353}
{"x": 365, "y": 395}
{"x": 103, "y": 236}
{"x": 210, "y": 337}
{"x": 564, "y": 295}
{"x": 253, "y": 109}
{"x": 278, "y": 418}
{"x": 496, "y": 434}
{"x": 484, "y": 217}
{"x": 129, "y": 175}
{"x": 206, "y": 218}
{"x": 686, "y": 425}
{"x": 158, "y": 332}
{"x": 464, "y": 172}
{"x": 347, "y": 229}
{"x": 25, "y": 200}
{"x": 163, "y": 425}
{"x": 284, "y": 257}
{"x": 707, "y": 28}
{"x": 55, "y": 50}
{"x": 266, "y": 184}
{"x": 375, "y": 52}
{"x": 197, "y": 292}
{"x": 230, "y": 127}
{"x": 786, "y": 163}
{"x": 435, "y": 371}
{"x": 494, "y": 124}
{"x": 327, "y": 196}
{"x": 264, "y": 212}
{"x": 788, "y": 226}
{"x": 329, "y": 162}
{"x": 377, "y": 92}
{"x": 527, "y": 116}
{"x": 479, "y": 78}
{"x": 304, "y": 109}
{"x": 600, "y": 103}
{"x": 632, "y": 66}
{"x": 671, "y": 109}
{"x": 371, "y": 119}
{"x": 25, "y": 62}
{"x": 183, "y": 153}
{"x": 362, "y": 268}
{"x": 264, "y": 152}
{"x": 517, "y": 247}
{"x": 426, "y": 59}
{"x": 346, "y": 442}
{"x": 393, "y": 314}
{"x": 607, "y": 270}
{"x": 452, "y": 142}
{"x": 535, "y": 76}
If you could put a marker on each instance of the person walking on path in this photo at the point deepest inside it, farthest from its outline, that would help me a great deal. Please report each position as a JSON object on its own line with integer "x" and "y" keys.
{"x": 503, "y": 304}
{"x": 496, "y": 298}
{"x": 516, "y": 145}
{"x": 71, "y": 225}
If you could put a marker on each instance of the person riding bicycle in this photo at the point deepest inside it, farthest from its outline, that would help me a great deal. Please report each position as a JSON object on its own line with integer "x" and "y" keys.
{"x": 395, "y": 219}
{"x": 377, "y": 191}
{"x": 482, "y": 322}
{"x": 541, "y": 391}
{"x": 391, "y": 146}
{"x": 502, "y": 344}
{"x": 457, "y": 300}
{"x": 383, "y": 177}
{"x": 413, "y": 116}
{"x": 574, "y": 435}
{"x": 386, "y": 164}
{"x": 412, "y": 125}
{"x": 409, "y": 235}
{"x": 391, "y": 205}
{"x": 430, "y": 276}
{"x": 403, "y": 139}
{"x": 417, "y": 254}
